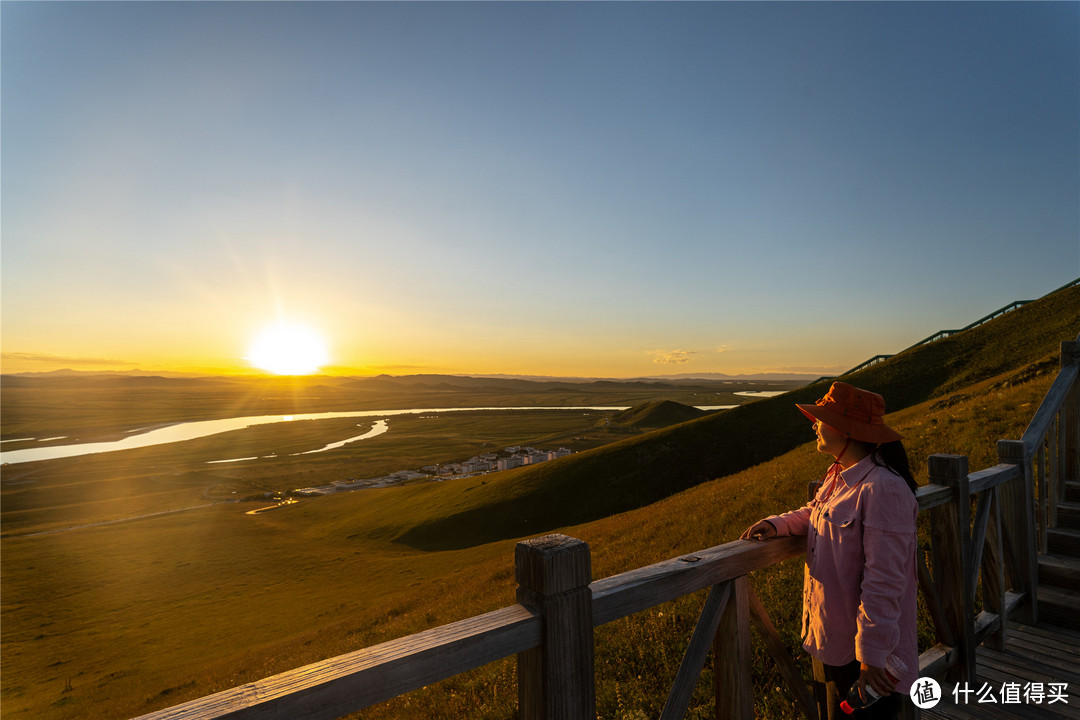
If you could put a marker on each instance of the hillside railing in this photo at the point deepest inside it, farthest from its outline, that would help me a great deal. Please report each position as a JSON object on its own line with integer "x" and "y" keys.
{"x": 550, "y": 628}
{"x": 942, "y": 334}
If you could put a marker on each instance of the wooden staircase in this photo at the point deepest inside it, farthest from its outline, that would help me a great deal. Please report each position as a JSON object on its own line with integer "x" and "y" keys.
{"x": 1059, "y": 569}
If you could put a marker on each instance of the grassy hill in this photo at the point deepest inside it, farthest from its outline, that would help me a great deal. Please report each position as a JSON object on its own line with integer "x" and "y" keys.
{"x": 658, "y": 414}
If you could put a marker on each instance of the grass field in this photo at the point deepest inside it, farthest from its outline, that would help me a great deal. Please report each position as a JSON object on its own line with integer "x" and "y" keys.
{"x": 115, "y": 620}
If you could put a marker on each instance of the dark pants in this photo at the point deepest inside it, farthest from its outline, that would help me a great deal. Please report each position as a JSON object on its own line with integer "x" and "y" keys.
{"x": 831, "y": 685}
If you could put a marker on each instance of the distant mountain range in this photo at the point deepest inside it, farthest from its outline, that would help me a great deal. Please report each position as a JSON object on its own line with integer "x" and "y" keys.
{"x": 512, "y": 383}
{"x": 764, "y": 377}
{"x": 680, "y": 377}
{"x": 134, "y": 372}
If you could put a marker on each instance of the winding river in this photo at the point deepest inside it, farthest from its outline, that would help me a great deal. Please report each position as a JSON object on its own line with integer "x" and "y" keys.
{"x": 203, "y": 428}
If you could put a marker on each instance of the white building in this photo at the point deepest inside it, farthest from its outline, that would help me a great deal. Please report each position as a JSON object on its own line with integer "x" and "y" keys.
{"x": 511, "y": 462}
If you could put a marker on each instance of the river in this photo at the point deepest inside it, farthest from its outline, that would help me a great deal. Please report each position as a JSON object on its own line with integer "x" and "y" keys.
{"x": 178, "y": 432}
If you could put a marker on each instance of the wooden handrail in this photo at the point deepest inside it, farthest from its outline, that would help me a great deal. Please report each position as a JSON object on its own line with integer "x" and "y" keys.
{"x": 343, "y": 684}
{"x": 932, "y": 495}
{"x": 635, "y": 590}
{"x": 1037, "y": 430}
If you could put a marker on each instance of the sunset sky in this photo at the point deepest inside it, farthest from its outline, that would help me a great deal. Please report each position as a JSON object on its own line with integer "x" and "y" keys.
{"x": 552, "y": 188}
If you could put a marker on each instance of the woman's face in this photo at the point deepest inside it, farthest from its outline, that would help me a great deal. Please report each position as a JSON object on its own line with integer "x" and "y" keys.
{"x": 830, "y": 440}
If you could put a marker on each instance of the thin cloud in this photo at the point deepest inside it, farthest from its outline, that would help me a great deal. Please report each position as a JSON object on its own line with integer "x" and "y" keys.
{"x": 673, "y": 357}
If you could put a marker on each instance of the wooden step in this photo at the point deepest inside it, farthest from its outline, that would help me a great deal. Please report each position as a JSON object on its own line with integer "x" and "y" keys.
{"x": 1062, "y": 541}
{"x": 1068, "y": 515}
{"x": 1058, "y": 607}
{"x": 1072, "y": 492}
{"x": 1063, "y": 572}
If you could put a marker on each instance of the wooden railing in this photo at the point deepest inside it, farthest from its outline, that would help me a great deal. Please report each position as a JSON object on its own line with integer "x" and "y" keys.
{"x": 550, "y": 629}
{"x": 1049, "y": 445}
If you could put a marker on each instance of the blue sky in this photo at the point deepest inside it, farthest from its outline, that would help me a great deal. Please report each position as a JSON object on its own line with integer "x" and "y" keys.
{"x": 607, "y": 189}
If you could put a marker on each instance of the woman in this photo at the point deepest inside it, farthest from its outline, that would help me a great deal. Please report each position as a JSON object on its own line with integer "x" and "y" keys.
{"x": 859, "y": 585}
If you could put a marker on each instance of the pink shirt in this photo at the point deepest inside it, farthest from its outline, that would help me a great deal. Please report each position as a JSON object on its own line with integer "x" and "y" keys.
{"x": 859, "y": 585}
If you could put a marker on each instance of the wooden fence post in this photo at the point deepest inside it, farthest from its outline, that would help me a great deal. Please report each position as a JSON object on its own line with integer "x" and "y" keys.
{"x": 993, "y": 572}
{"x": 1017, "y": 499}
{"x": 556, "y": 680}
{"x": 731, "y": 657}
{"x": 950, "y": 525}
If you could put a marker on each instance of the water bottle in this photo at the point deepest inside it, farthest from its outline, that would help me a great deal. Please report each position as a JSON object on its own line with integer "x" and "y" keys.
{"x": 894, "y": 668}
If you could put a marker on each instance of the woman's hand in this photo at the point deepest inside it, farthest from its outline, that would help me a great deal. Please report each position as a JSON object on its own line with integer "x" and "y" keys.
{"x": 759, "y": 531}
{"x": 876, "y": 678}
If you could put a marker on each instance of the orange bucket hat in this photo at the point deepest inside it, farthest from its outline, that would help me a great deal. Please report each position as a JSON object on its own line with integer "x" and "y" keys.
{"x": 859, "y": 414}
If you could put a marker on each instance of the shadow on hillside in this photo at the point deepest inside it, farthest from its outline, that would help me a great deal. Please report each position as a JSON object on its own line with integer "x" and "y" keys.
{"x": 500, "y": 521}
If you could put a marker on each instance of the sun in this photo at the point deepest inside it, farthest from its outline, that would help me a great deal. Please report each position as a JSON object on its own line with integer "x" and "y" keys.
{"x": 287, "y": 348}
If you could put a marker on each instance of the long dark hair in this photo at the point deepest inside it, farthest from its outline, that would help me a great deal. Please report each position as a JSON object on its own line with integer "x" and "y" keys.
{"x": 891, "y": 455}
